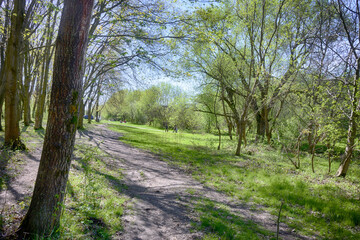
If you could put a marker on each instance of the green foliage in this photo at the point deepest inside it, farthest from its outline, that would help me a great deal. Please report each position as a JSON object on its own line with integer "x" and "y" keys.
{"x": 157, "y": 106}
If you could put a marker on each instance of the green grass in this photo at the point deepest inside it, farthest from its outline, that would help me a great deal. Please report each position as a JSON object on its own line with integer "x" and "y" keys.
{"x": 314, "y": 204}
{"x": 217, "y": 219}
{"x": 94, "y": 204}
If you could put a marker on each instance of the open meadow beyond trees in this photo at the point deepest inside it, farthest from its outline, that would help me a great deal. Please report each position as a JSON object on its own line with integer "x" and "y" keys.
{"x": 179, "y": 119}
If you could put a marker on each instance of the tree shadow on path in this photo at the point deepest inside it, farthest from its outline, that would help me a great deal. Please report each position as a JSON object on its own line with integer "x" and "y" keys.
{"x": 164, "y": 198}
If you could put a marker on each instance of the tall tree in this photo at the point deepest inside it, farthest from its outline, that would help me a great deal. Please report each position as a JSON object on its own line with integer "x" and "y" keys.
{"x": 2, "y": 57}
{"x": 12, "y": 61}
{"x": 44, "y": 212}
{"x": 350, "y": 10}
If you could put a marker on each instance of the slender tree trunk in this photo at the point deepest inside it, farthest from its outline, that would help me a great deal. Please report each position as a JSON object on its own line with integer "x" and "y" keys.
{"x": 97, "y": 109}
{"x": 90, "y": 101}
{"x": 2, "y": 56}
{"x": 344, "y": 165}
{"x": 240, "y": 122}
{"x": 243, "y": 126}
{"x": 267, "y": 125}
{"x": 45, "y": 75}
{"x": 33, "y": 112}
{"x": 81, "y": 115}
{"x": 45, "y": 208}
{"x": 354, "y": 95}
{"x": 26, "y": 87}
{"x": 228, "y": 120}
{"x": 239, "y": 133}
{"x": 89, "y": 112}
{"x": 12, "y": 60}
{"x": 329, "y": 149}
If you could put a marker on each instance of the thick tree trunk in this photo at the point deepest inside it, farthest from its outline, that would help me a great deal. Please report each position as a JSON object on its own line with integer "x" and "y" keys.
{"x": 44, "y": 212}
{"x": 262, "y": 124}
{"x": 12, "y": 60}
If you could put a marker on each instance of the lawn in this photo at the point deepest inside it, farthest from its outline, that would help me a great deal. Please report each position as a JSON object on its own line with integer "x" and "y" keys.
{"x": 315, "y": 204}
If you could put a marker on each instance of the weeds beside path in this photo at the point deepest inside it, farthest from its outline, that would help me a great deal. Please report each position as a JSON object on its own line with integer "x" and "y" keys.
{"x": 159, "y": 200}
{"x": 164, "y": 198}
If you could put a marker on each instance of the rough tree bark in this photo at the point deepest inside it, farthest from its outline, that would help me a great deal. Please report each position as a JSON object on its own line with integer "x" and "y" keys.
{"x": 12, "y": 60}
{"x": 45, "y": 208}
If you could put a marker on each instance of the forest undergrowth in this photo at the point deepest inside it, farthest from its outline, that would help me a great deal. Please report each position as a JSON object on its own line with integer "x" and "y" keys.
{"x": 318, "y": 204}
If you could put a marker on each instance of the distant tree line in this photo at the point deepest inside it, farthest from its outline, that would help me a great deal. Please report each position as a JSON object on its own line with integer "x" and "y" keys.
{"x": 161, "y": 105}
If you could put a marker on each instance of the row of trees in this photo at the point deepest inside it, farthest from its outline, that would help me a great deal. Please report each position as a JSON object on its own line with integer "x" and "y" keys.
{"x": 95, "y": 40}
{"x": 161, "y": 106}
{"x": 123, "y": 34}
{"x": 265, "y": 62}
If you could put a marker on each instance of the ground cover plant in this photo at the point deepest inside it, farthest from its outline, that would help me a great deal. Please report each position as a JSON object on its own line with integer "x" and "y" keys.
{"x": 314, "y": 204}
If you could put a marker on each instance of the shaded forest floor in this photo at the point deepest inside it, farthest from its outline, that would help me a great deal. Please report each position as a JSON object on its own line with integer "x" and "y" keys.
{"x": 117, "y": 191}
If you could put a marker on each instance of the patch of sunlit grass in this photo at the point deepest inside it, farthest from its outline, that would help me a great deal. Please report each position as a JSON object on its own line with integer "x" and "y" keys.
{"x": 315, "y": 204}
{"x": 94, "y": 204}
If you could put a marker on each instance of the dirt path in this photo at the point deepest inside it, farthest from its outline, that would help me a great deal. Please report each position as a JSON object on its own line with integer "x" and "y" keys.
{"x": 162, "y": 197}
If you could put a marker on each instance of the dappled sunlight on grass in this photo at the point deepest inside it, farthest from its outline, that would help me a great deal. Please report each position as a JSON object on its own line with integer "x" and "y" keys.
{"x": 314, "y": 203}
{"x": 94, "y": 203}
{"x": 218, "y": 219}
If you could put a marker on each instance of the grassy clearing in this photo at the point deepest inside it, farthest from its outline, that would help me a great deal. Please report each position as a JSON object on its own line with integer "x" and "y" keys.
{"x": 315, "y": 204}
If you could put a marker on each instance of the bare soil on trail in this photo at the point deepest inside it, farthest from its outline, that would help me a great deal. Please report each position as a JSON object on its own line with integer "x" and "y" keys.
{"x": 162, "y": 197}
